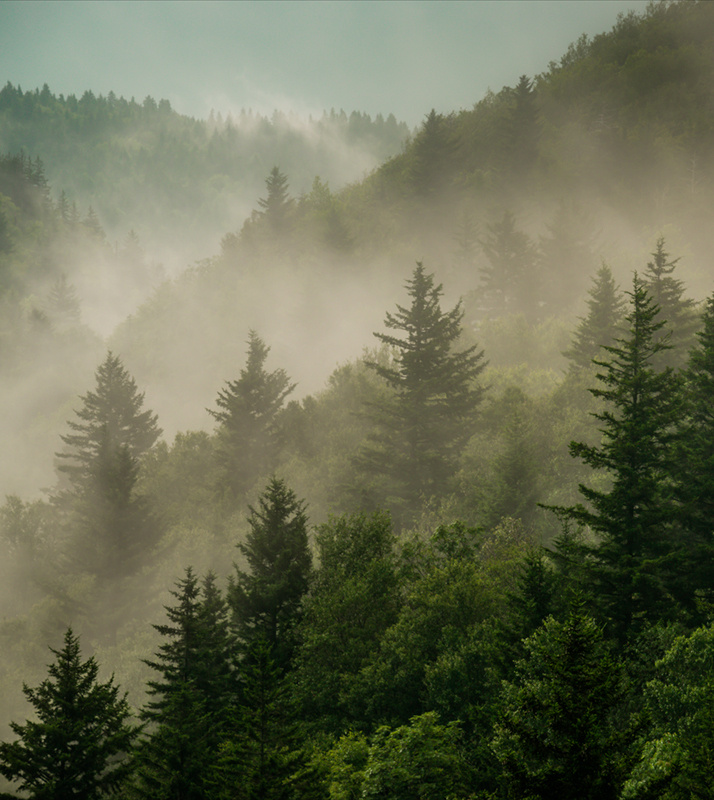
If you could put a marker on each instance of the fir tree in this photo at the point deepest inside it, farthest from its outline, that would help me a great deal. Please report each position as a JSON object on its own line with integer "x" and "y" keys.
{"x": 248, "y": 412}
{"x": 78, "y": 747}
{"x": 190, "y": 699}
{"x": 601, "y": 324}
{"x": 421, "y": 430}
{"x": 278, "y": 205}
{"x": 633, "y": 519}
{"x": 111, "y": 527}
{"x": 266, "y": 600}
{"x": 675, "y": 310}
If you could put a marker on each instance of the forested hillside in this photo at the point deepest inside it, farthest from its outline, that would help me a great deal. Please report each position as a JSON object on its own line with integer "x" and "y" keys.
{"x": 403, "y": 489}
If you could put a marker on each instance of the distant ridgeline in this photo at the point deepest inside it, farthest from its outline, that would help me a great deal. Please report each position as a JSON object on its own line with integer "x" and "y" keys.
{"x": 146, "y": 167}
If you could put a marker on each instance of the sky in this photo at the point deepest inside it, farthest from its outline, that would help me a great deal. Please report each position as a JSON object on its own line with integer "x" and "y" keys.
{"x": 403, "y": 57}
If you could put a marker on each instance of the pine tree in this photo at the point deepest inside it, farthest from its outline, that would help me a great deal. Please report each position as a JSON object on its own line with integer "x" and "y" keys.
{"x": 190, "y": 699}
{"x": 675, "y": 310}
{"x": 278, "y": 205}
{"x": 111, "y": 526}
{"x": 633, "y": 519}
{"x": 249, "y": 408}
{"x": 78, "y": 747}
{"x": 510, "y": 282}
{"x": 422, "y": 429}
{"x": 694, "y": 474}
{"x": 266, "y": 600}
{"x": 601, "y": 324}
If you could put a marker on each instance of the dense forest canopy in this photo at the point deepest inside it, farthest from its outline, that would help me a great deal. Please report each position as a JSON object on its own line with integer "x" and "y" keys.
{"x": 401, "y": 486}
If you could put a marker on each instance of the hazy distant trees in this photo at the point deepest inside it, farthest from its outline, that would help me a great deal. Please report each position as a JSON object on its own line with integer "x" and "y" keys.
{"x": 675, "y": 309}
{"x": 248, "y": 416}
{"x": 510, "y": 281}
{"x": 277, "y": 206}
{"x": 110, "y": 526}
{"x": 421, "y": 429}
{"x": 601, "y": 324}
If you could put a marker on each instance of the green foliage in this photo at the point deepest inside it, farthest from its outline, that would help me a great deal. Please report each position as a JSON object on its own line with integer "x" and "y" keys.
{"x": 632, "y": 570}
{"x": 675, "y": 758}
{"x": 266, "y": 600}
{"x": 352, "y": 600}
{"x": 559, "y": 735}
{"x": 79, "y": 744}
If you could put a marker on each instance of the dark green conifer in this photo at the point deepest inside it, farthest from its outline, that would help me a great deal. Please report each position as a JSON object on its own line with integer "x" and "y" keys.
{"x": 78, "y": 746}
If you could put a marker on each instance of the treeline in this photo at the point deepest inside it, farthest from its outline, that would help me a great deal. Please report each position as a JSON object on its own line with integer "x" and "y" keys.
{"x": 181, "y": 182}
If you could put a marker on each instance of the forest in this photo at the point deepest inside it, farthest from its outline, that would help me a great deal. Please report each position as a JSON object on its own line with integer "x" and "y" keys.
{"x": 347, "y": 461}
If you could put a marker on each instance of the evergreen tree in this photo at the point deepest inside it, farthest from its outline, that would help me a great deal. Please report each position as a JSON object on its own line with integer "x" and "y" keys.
{"x": 249, "y": 408}
{"x": 523, "y": 129}
{"x": 266, "y": 600}
{"x": 111, "y": 527}
{"x": 424, "y": 426}
{"x": 510, "y": 283}
{"x": 600, "y": 326}
{"x": 278, "y": 205}
{"x": 430, "y": 152}
{"x": 78, "y": 747}
{"x": 633, "y": 519}
{"x": 694, "y": 474}
{"x": 675, "y": 310}
{"x": 190, "y": 700}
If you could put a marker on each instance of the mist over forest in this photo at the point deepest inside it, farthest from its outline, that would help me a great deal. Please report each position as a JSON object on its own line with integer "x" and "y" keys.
{"x": 369, "y": 461}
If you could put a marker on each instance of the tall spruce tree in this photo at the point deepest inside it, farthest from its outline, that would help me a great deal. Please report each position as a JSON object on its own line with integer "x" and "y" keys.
{"x": 694, "y": 481}
{"x": 601, "y": 324}
{"x": 79, "y": 745}
{"x": 278, "y": 205}
{"x": 633, "y": 520}
{"x": 110, "y": 526}
{"x": 248, "y": 412}
{"x": 266, "y": 600}
{"x": 675, "y": 309}
{"x": 190, "y": 699}
{"x": 421, "y": 430}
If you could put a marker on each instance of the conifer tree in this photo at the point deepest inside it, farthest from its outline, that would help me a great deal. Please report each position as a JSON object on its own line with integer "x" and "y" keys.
{"x": 248, "y": 412}
{"x": 277, "y": 206}
{"x": 510, "y": 282}
{"x": 600, "y": 326}
{"x": 633, "y": 520}
{"x": 111, "y": 527}
{"x": 191, "y": 698}
{"x": 422, "y": 428}
{"x": 266, "y": 600}
{"x": 694, "y": 474}
{"x": 78, "y": 746}
{"x": 677, "y": 311}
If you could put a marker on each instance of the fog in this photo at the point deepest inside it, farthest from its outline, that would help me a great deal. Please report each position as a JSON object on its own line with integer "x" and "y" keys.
{"x": 162, "y": 240}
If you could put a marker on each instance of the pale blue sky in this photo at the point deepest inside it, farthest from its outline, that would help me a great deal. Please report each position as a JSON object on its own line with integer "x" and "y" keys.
{"x": 402, "y": 57}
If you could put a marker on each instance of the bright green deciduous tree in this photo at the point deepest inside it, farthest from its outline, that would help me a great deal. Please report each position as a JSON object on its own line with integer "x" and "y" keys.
{"x": 559, "y": 733}
{"x": 79, "y": 744}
